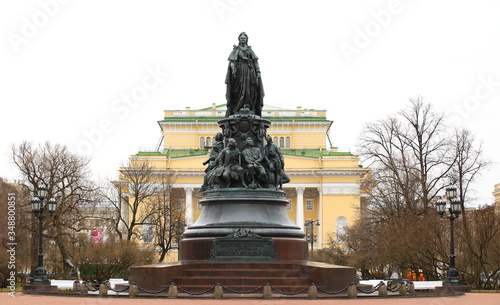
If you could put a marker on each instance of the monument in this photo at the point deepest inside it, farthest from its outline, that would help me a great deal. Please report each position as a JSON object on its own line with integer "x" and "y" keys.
{"x": 243, "y": 238}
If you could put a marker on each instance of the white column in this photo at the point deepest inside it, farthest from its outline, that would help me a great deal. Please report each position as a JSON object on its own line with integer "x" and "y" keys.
{"x": 299, "y": 214}
{"x": 124, "y": 212}
{"x": 320, "y": 217}
{"x": 189, "y": 205}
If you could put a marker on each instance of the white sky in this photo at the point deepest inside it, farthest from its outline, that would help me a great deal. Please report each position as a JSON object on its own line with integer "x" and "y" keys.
{"x": 65, "y": 67}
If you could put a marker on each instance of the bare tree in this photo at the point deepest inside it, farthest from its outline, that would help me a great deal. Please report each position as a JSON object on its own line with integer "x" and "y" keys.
{"x": 167, "y": 214}
{"x": 110, "y": 193}
{"x": 386, "y": 152}
{"x": 411, "y": 157}
{"x": 414, "y": 156}
{"x": 15, "y": 226}
{"x": 430, "y": 147}
{"x": 480, "y": 250}
{"x": 67, "y": 178}
{"x": 469, "y": 163}
{"x": 131, "y": 197}
{"x": 365, "y": 252}
{"x": 145, "y": 204}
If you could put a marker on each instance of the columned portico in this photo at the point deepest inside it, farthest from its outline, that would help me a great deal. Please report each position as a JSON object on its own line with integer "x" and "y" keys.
{"x": 320, "y": 215}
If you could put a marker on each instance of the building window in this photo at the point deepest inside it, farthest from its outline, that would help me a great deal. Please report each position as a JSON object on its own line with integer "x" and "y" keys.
{"x": 287, "y": 145}
{"x": 282, "y": 142}
{"x": 275, "y": 140}
{"x": 147, "y": 231}
{"x": 289, "y": 205}
{"x": 179, "y": 205}
{"x": 209, "y": 142}
{"x": 341, "y": 224}
{"x": 202, "y": 142}
{"x": 310, "y": 205}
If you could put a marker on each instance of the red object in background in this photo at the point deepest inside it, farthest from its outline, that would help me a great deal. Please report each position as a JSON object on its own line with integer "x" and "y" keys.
{"x": 96, "y": 236}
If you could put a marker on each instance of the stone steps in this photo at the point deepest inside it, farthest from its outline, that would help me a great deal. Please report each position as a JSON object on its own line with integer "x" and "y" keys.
{"x": 242, "y": 276}
{"x": 288, "y": 276}
{"x": 242, "y": 289}
{"x": 235, "y": 280}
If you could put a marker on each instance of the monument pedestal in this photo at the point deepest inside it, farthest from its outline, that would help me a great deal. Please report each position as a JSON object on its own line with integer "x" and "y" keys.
{"x": 27, "y": 288}
{"x": 194, "y": 249}
{"x": 243, "y": 239}
{"x": 260, "y": 212}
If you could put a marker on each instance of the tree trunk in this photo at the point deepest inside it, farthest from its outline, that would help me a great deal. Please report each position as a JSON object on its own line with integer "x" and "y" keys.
{"x": 66, "y": 269}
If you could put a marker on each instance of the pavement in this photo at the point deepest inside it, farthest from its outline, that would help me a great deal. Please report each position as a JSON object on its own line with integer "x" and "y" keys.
{"x": 467, "y": 299}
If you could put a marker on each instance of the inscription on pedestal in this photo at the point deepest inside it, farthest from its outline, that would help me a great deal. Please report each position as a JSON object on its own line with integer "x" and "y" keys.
{"x": 243, "y": 245}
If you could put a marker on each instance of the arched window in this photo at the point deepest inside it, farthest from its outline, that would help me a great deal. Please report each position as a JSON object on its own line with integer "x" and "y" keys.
{"x": 282, "y": 142}
{"x": 341, "y": 224}
{"x": 287, "y": 145}
{"x": 275, "y": 140}
{"x": 202, "y": 142}
{"x": 147, "y": 231}
{"x": 209, "y": 142}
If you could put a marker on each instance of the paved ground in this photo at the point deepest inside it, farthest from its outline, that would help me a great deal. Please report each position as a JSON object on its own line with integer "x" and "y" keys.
{"x": 468, "y": 299}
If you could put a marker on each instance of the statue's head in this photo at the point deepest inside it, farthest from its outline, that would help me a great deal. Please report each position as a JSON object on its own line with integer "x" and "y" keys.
{"x": 269, "y": 139}
{"x": 218, "y": 136}
{"x": 243, "y": 38}
{"x": 231, "y": 143}
{"x": 249, "y": 141}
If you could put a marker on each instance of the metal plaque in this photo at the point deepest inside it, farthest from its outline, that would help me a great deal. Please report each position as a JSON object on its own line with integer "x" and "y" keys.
{"x": 246, "y": 246}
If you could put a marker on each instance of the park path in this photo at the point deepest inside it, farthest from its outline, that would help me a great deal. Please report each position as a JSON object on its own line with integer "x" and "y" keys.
{"x": 468, "y": 299}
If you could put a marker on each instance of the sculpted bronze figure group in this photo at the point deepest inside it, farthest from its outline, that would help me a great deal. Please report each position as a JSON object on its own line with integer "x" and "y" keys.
{"x": 252, "y": 167}
{"x": 249, "y": 159}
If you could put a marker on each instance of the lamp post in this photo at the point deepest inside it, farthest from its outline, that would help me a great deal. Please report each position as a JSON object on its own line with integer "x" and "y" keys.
{"x": 454, "y": 211}
{"x": 38, "y": 207}
{"x": 310, "y": 236}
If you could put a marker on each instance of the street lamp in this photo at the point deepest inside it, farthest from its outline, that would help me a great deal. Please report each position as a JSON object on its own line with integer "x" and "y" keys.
{"x": 37, "y": 207}
{"x": 310, "y": 236}
{"x": 454, "y": 211}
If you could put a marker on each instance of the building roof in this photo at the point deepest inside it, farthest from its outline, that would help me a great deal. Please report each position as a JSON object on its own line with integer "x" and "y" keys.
{"x": 273, "y": 113}
{"x": 211, "y": 115}
{"x": 306, "y": 153}
{"x": 223, "y": 107}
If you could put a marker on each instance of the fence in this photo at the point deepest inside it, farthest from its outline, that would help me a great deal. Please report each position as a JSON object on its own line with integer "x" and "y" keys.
{"x": 266, "y": 290}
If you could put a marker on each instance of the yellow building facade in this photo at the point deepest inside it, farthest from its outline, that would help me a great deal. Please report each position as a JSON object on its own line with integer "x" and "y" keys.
{"x": 325, "y": 184}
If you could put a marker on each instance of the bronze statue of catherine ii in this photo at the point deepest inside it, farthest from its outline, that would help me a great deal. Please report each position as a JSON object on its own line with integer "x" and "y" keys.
{"x": 243, "y": 82}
